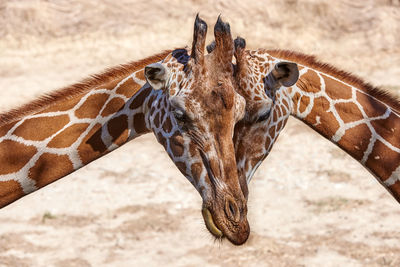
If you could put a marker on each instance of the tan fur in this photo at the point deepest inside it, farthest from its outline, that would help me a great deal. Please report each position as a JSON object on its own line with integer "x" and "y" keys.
{"x": 68, "y": 136}
{"x": 49, "y": 125}
{"x": 49, "y": 168}
{"x": 361, "y": 119}
{"x": 313, "y": 62}
{"x": 118, "y": 129}
{"x": 18, "y": 155}
{"x": 9, "y": 192}
{"x": 92, "y": 106}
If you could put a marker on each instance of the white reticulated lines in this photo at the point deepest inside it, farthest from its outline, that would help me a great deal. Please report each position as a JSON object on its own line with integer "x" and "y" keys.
{"x": 22, "y": 175}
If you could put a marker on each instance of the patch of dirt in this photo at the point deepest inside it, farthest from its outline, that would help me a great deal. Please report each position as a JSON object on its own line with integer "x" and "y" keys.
{"x": 331, "y": 204}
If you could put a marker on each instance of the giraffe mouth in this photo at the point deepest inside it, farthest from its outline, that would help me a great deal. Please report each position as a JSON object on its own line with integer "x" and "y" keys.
{"x": 210, "y": 223}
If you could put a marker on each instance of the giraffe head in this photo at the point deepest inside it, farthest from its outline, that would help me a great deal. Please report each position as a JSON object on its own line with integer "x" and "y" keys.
{"x": 265, "y": 84}
{"x": 193, "y": 111}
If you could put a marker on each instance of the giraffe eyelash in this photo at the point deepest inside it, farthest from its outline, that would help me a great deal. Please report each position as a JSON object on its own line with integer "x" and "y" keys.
{"x": 180, "y": 116}
{"x": 264, "y": 116}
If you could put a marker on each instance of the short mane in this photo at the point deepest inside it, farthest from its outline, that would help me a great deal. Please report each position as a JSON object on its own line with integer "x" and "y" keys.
{"x": 87, "y": 84}
{"x": 313, "y": 62}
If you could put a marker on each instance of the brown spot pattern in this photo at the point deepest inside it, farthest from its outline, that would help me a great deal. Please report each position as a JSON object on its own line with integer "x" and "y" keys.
{"x": 192, "y": 149}
{"x": 275, "y": 115}
{"x": 348, "y": 112}
{"x": 329, "y": 125}
{"x": 172, "y": 89}
{"x": 357, "y": 136}
{"x": 92, "y": 106}
{"x": 14, "y": 155}
{"x": 182, "y": 167}
{"x": 336, "y": 89}
{"x": 140, "y": 75}
{"x": 320, "y": 106}
{"x": 128, "y": 88}
{"x": 49, "y": 168}
{"x": 272, "y": 131}
{"x": 139, "y": 99}
{"x": 67, "y": 137}
{"x": 139, "y": 123}
{"x": 304, "y": 102}
{"x": 167, "y": 126}
{"x": 371, "y": 107}
{"x": 296, "y": 99}
{"x": 92, "y": 146}
{"x": 278, "y": 127}
{"x": 177, "y": 145}
{"x": 311, "y": 80}
{"x": 382, "y": 160}
{"x": 196, "y": 169}
{"x": 118, "y": 129}
{"x": 5, "y": 128}
{"x": 150, "y": 102}
{"x": 157, "y": 120}
{"x": 279, "y": 112}
{"x": 38, "y": 129}
{"x": 9, "y": 192}
{"x": 286, "y": 104}
{"x": 115, "y": 105}
{"x": 388, "y": 128}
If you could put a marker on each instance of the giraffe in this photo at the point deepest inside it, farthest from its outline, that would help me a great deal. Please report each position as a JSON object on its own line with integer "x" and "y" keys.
{"x": 361, "y": 119}
{"x": 187, "y": 101}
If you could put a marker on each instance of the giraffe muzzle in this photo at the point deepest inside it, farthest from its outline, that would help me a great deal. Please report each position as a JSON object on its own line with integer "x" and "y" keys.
{"x": 227, "y": 221}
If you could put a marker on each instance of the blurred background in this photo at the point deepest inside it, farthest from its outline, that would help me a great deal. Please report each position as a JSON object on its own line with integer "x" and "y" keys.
{"x": 310, "y": 204}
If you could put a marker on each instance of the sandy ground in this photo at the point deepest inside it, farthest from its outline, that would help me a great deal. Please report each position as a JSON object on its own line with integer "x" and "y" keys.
{"x": 310, "y": 204}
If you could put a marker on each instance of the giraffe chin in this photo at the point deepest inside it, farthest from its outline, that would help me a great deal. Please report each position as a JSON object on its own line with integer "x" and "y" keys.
{"x": 223, "y": 232}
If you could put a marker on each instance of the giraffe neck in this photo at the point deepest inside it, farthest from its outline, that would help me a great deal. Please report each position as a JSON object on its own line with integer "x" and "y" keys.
{"x": 358, "y": 118}
{"x": 62, "y": 136}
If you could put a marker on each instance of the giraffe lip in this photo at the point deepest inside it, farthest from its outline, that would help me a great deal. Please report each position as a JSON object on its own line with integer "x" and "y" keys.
{"x": 210, "y": 223}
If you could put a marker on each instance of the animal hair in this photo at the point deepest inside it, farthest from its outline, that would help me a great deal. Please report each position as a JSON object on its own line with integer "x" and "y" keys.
{"x": 44, "y": 101}
{"x": 351, "y": 79}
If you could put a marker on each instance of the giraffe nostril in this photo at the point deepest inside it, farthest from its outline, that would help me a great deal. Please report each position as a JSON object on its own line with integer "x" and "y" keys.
{"x": 231, "y": 209}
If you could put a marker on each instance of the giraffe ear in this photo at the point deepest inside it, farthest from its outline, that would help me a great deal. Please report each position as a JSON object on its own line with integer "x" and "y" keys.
{"x": 286, "y": 73}
{"x": 156, "y": 75}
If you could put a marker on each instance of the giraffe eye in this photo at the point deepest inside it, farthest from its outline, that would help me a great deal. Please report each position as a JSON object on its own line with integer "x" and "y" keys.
{"x": 264, "y": 116}
{"x": 179, "y": 115}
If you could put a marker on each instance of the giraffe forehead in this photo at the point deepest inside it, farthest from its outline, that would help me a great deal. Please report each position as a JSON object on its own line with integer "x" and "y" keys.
{"x": 213, "y": 100}
{"x": 204, "y": 93}
{"x": 203, "y": 88}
